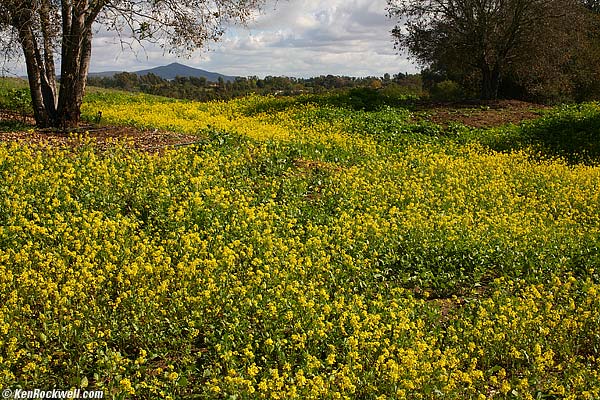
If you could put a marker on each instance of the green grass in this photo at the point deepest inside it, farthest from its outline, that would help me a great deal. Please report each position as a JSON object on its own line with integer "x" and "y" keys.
{"x": 13, "y": 83}
{"x": 15, "y": 95}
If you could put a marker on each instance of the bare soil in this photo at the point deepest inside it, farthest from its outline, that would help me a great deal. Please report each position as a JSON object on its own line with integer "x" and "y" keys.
{"x": 479, "y": 114}
{"x": 101, "y": 136}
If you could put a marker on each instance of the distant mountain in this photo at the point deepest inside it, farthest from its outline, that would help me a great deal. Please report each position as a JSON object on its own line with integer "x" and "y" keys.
{"x": 171, "y": 71}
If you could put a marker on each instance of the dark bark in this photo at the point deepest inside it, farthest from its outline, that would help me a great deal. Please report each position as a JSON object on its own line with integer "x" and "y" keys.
{"x": 490, "y": 82}
{"x": 77, "y": 47}
{"x": 39, "y": 61}
{"x": 34, "y": 74}
{"x": 49, "y": 89}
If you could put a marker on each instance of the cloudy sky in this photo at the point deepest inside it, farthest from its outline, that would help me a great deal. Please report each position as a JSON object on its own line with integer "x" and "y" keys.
{"x": 300, "y": 38}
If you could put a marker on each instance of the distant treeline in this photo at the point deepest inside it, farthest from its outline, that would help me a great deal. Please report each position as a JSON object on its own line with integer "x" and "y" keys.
{"x": 201, "y": 89}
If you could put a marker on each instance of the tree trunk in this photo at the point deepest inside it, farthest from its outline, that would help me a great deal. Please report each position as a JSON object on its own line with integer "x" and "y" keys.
{"x": 40, "y": 114}
{"x": 49, "y": 110}
{"x": 76, "y": 55}
{"x": 36, "y": 72}
{"x": 40, "y": 63}
{"x": 49, "y": 89}
{"x": 490, "y": 82}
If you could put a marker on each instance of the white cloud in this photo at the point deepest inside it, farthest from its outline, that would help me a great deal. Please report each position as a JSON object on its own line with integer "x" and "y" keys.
{"x": 294, "y": 38}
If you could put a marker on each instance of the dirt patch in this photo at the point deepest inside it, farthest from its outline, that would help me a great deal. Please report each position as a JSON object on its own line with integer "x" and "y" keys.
{"x": 479, "y": 114}
{"x": 16, "y": 117}
{"x": 101, "y": 136}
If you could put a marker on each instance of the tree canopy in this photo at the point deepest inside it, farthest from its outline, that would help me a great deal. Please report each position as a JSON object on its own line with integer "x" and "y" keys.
{"x": 45, "y": 29}
{"x": 485, "y": 40}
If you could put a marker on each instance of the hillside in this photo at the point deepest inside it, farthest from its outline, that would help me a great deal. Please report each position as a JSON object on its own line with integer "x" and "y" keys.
{"x": 171, "y": 71}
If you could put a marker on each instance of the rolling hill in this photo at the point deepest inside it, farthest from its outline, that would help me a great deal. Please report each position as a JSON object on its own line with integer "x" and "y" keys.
{"x": 171, "y": 71}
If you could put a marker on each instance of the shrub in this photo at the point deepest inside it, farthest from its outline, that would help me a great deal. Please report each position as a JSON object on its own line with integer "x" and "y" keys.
{"x": 447, "y": 91}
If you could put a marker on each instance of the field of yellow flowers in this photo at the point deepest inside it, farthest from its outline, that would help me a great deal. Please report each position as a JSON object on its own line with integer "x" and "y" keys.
{"x": 302, "y": 250}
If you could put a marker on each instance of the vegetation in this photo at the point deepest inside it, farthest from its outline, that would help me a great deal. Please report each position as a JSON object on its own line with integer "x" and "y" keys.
{"x": 305, "y": 247}
{"x": 39, "y": 29}
{"x": 546, "y": 50}
{"x": 14, "y": 98}
{"x": 200, "y": 89}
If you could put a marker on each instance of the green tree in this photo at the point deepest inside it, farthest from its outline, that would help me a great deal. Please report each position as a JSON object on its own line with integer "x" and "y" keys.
{"x": 44, "y": 29}
{"x": 487, "y": 37}
{"x": 126, "y": 80}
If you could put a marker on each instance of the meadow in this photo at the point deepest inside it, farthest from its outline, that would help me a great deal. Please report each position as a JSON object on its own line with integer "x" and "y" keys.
{"x": 305, "y": 248}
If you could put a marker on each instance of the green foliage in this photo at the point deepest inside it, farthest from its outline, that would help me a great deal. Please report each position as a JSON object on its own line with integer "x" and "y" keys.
{"x": 200, "y": 89}
{"x": 11, "y": 83}
{"x": 404, "y": 87}
{"x": 571, "y": 132}
{"x": 368, "y": 99}
{"x": 446, "y": 91}
{"x": 15, "y": 95}
{"x": 19, "y": 100}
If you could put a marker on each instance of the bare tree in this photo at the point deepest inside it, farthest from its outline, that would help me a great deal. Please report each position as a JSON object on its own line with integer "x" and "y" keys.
{"x": 486, "y": 36}
{"x": 43, "y": 29}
